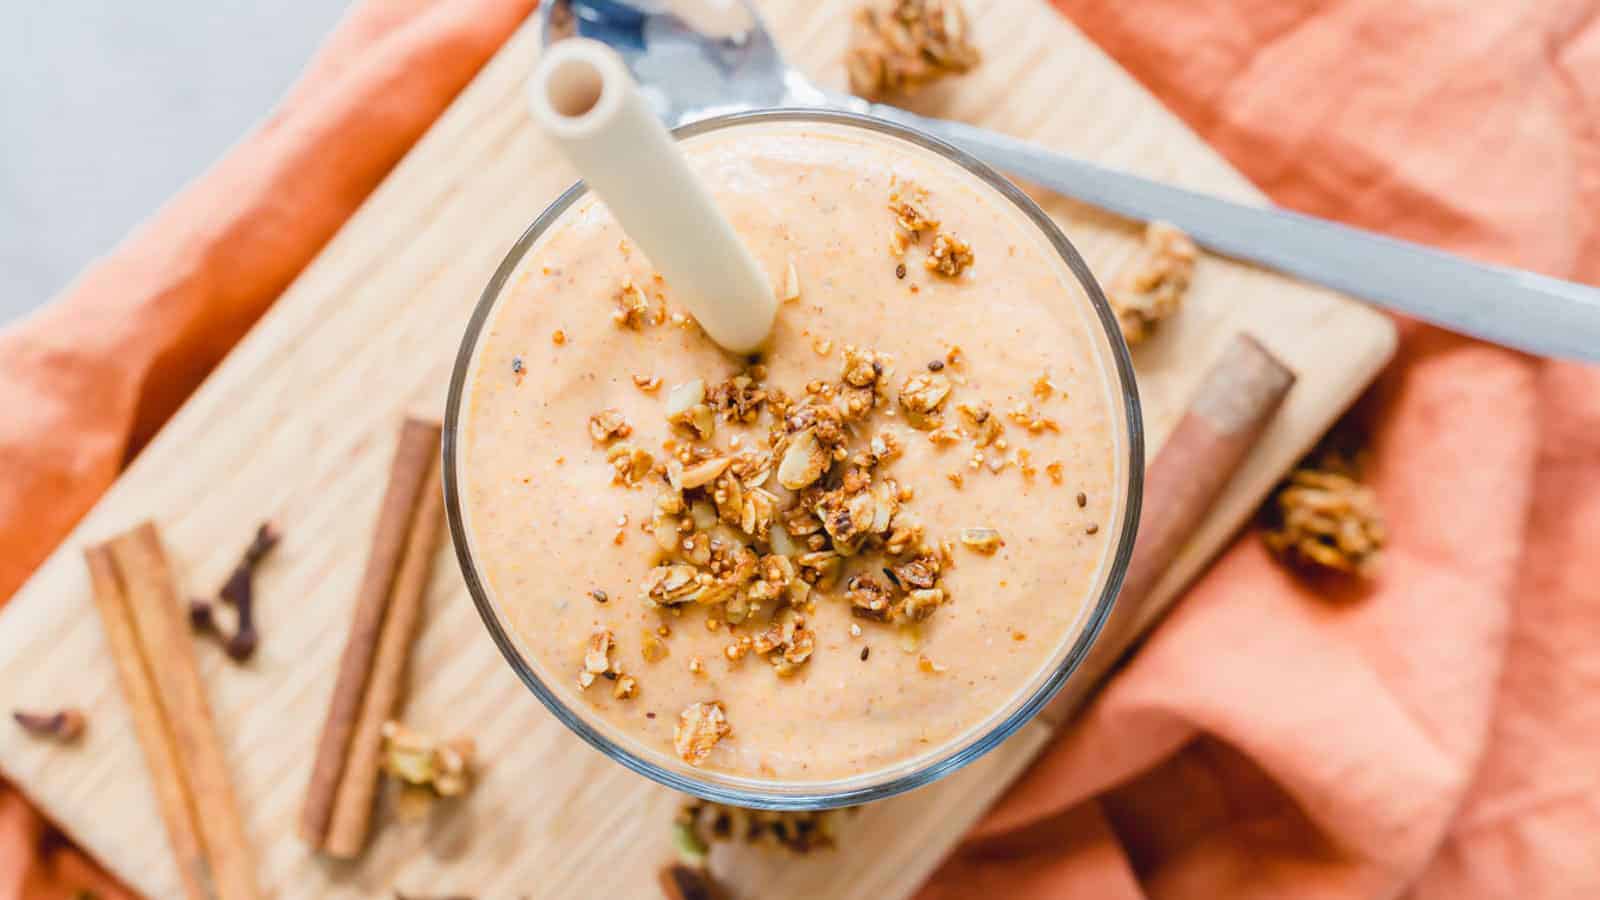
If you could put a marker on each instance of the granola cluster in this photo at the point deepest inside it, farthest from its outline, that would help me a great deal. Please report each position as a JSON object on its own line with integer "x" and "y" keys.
{"x": 948, "y": 256}
{"x": 1322, "y": 516}
{"x": 897, "y": 46}
{"x": 1151, "y": 287}
{"x": 700, "y": 823}
{"x": 725, "y": 539}
{"x": 425, "y": 767}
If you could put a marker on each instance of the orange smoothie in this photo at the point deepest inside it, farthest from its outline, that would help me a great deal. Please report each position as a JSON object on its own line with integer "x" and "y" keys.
{"x": 835, "y": 557}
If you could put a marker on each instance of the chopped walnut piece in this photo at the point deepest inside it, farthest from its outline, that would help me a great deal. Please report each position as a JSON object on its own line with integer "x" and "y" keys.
{"x": 700, "y": 727}
{"x": 647, "y": 383}
{"x": 1151, "y": 287}
{"x": 982, "y": 540}
{"x": 608, "y": 425}
{"x": 929, "y": 666}
{"x": 1044, "y": 388}
{"x": 950, "y": 255}
{"x": 897, "y": 46}
{"x": 426, "y": 767}
{"x": 1054, "y": 470}
{"x": 633, "y": 308}
{"x": 1326, "y": 519}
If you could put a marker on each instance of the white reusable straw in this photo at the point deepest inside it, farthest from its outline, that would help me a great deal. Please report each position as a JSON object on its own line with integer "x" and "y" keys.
{"x": 583, "y": 97}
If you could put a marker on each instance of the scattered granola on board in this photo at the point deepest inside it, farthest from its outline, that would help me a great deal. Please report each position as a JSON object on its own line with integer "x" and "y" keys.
{"x": 897, "y": 46}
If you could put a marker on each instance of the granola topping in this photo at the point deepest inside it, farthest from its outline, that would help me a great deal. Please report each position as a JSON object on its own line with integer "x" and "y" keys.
{"x": 1324, "y": 517}
{"x": 950, "y": 255}
{"x": 1151, "y": 287}
{"x": 897, "y": 46}
{"x": 700, "y": 727}
{"x": 633, "y": 307}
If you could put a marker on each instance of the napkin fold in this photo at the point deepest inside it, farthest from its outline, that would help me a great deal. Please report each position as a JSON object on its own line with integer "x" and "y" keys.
{"x": 1429, "y": 734}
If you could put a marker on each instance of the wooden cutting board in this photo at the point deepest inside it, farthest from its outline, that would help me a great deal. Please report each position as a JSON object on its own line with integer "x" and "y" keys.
{"x": 298, "y": 424}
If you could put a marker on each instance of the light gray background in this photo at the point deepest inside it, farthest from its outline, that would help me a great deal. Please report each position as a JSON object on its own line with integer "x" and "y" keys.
{"x": 108, "y": 107}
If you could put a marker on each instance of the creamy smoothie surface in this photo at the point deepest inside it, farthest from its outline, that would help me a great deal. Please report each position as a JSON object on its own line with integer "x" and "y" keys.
{"x": 841, "y": 555}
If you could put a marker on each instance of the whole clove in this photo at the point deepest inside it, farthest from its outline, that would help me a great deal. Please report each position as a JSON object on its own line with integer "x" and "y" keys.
{"x": 238, "y": 592}
{"x": 61, "y": 725}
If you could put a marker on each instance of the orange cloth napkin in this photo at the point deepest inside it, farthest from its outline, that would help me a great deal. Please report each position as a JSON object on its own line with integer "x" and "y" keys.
{"x": 1432, "y": 734}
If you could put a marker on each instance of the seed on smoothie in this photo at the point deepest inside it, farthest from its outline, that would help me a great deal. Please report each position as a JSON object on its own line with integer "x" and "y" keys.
{"x": 1083, "y": 499}
{"x": 700, "y": 727}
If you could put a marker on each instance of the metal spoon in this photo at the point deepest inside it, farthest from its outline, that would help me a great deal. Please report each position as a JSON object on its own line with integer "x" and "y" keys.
{"x": 717, "y": 57}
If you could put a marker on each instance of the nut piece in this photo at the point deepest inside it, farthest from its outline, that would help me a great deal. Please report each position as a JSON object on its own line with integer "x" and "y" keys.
{"x": 700, "y": 727}
{"x": 950, "y": 255}
{"x": 791, "y": 283}
{"x": 629, "y": 463}
{"x": 633, "y": 308}
{"x": 608, "y": 425}
{"x": 426, "y": 767}
{"x": 921, "y": 396}
{"x": 901, "y": 45}
{"x": 1326, "y": 519}
{"x": 687, "y": 409}
{"x": 597, "y": 660}
{"x": 1151, "y": 287}
{"x": 803, "y": 462}
{"x": 982, "y": 540}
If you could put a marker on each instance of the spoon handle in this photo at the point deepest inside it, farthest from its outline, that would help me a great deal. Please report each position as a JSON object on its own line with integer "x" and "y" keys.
{"x": 1507, "y": 306}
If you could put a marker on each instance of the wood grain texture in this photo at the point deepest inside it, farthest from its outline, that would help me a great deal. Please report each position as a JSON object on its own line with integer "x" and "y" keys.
{"x": 299, "y": 424}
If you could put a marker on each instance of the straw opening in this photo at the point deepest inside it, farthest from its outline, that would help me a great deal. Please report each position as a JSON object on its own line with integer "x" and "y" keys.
{"x": 574, "y": 88}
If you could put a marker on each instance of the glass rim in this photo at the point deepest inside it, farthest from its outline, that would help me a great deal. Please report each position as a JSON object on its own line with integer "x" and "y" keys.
{"x": 970, "y": 745}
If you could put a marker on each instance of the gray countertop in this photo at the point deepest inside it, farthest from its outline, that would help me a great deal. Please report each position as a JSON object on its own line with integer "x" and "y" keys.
{"x": 110, "y": 107}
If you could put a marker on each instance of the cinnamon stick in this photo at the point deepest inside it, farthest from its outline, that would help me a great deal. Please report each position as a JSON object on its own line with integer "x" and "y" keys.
{"x": 1236, "y": 400}
{"x": 419, "y": 444}
{"x": 352, "y": 809}
{"x": 155, "y": 610}
{"x": 149, "y": 724}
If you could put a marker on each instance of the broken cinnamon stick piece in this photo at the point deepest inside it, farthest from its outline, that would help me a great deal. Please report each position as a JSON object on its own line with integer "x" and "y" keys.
{"x": 413, "y": 457}
{"x": 352, "y": 808}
